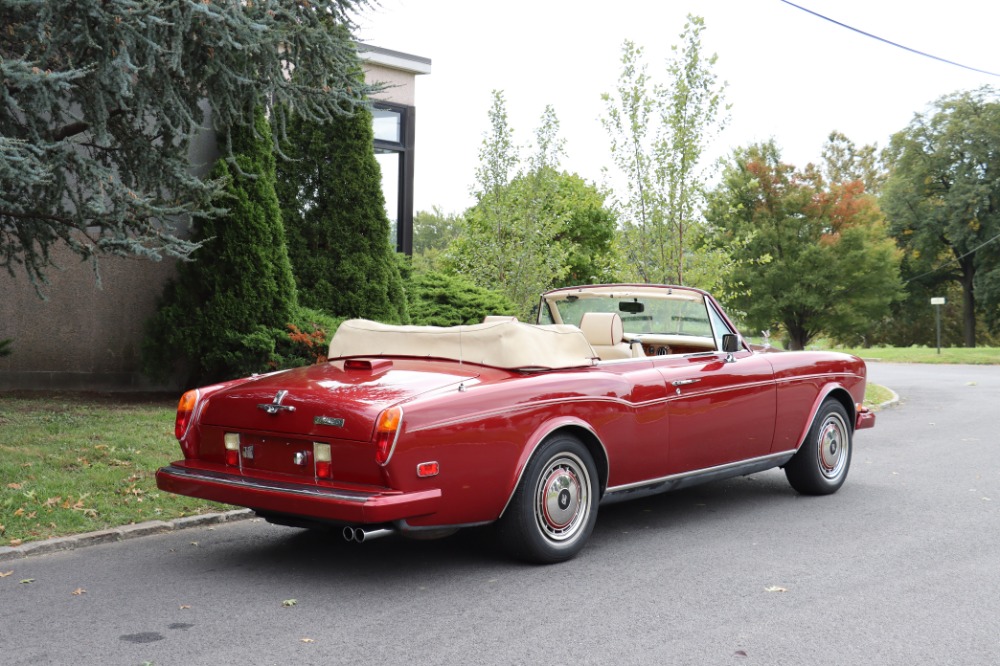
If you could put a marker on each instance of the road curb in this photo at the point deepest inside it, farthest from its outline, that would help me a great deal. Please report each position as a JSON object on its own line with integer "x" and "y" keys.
{"x": 891, "y": 401}
{"x": 123, "y": 533}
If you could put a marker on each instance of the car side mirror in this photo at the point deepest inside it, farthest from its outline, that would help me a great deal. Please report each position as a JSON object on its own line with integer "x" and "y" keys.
{"x": 730, "y": 343}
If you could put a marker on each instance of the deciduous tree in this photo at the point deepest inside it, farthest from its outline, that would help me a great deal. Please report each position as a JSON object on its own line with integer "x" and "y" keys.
{"x": 658, "y": 133}
{"x": 943, "y": 199}
{"x": 816, "y": 259}
{"x": 508, "y": 242}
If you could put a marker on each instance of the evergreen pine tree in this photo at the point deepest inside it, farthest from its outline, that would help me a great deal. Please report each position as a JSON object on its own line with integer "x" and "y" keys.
{"x": 225, "y": 311}
{"x": 335, "y": 220}
{"x": 100, "y": 101}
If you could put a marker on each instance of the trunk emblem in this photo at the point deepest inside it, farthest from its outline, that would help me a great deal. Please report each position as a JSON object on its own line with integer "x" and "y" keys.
{"x": 329, "y": 421}
{"x": 275, "y": 405}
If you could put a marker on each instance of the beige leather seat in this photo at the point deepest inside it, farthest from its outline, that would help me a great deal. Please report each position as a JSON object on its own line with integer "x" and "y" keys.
{"x": 605, "y": 333}
{"x": 492, "y": 319}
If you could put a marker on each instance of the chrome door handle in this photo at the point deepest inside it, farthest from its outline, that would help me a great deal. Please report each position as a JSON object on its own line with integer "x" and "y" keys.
{"x": 684, "y": 382}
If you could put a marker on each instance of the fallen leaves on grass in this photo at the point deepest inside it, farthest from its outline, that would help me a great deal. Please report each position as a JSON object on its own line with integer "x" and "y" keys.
{"x": 27, "y": 581}
{"x": 775, "y": 588}
{"x": 288, "y": 603}
{"x": 307, "y": 640}
{"x": 78, "y": 592}
{"x": 4, "y": 574}
{"x": 14, "y": 486}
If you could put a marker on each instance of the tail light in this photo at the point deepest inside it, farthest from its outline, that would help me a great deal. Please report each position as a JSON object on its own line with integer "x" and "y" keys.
{"x": 185, "y": 409}
{"x": 232, "y": 442}
{"x": 321, "y": 454}
{"x": 386, "y": 433}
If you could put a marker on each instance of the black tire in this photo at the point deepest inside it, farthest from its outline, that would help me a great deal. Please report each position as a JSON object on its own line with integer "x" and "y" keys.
{"x": 821, "y": 464}
{"x": 554, "y": 508}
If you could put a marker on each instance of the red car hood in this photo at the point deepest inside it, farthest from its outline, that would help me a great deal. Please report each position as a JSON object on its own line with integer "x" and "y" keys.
{"x": 324, "y": 400}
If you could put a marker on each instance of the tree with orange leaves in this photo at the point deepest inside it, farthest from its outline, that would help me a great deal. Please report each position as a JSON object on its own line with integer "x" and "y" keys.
{"x": 818, "y": 260}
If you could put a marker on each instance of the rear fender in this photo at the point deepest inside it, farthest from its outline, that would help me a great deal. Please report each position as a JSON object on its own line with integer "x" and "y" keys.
{"x": 571, "y": 425}
{"x": 191, "y": 438}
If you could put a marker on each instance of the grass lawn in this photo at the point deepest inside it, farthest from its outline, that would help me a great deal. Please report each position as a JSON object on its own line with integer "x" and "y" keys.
{"x": 72, "y": 463}
{"x": 974, "y": 356}
{"x": 876, "y": 395}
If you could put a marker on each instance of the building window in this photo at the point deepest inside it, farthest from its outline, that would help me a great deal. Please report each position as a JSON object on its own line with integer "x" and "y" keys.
{"x": 393, "y": 125}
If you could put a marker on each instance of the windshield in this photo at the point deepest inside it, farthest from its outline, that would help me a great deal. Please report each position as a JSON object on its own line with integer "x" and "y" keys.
{"x": 647, "y": 310}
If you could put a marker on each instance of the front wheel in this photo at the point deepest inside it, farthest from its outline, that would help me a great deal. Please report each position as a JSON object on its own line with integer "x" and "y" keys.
{"x": 554, "y": 508}
{"x": 821, "y": 464}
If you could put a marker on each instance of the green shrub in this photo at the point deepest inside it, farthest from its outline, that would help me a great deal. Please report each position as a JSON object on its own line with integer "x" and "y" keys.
{"x": 335, "y": 221}
{"x": 307, "y": 338}
{"x": 225, "y": 313}
{"x": 437, "y": 299}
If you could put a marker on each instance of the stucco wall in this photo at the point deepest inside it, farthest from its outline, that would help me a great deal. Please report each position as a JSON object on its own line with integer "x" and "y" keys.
{"x": 399, "y": 85}
{"x": 82, "y": 337}
{"x": 85, "y": 337}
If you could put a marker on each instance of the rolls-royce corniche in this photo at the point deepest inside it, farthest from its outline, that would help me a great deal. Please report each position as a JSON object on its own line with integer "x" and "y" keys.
{"x": 614, "y": 392}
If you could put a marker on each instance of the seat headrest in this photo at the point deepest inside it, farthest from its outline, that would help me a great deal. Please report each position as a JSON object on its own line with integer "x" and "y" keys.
{"x": 602, "y": 328}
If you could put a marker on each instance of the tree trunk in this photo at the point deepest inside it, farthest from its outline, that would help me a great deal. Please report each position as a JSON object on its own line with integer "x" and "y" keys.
{"x": 968, "y": 300}
{"x": 797, "y": 337}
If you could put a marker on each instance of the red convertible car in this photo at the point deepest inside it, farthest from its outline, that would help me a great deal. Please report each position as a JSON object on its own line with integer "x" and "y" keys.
{"x": 619, "y": 391}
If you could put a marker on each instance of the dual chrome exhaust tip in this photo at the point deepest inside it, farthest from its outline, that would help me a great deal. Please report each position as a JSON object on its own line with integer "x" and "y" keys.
{"x": 360, "y": 534}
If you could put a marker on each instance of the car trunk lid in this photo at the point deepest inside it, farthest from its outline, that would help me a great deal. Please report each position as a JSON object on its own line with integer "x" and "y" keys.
{"x": 327, "y": 400}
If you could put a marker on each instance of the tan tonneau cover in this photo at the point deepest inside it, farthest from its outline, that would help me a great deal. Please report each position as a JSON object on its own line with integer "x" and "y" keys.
{"x": 506, "y": 344}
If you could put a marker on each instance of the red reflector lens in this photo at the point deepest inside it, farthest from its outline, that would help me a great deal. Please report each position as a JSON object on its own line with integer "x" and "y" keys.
{"x": 428, "y": 469}
{"x": 324, "y": 470}
{"x": 232, "y": 457}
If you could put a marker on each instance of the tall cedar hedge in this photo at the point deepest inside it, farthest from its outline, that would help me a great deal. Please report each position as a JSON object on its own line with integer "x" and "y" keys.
{"x": 335, "y": 221}
{"x": 226, "y": 310}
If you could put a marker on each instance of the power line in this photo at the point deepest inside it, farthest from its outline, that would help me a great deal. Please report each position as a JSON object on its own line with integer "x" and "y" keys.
{"x": 891, "y": 43}
{"x": 953, "y": 260}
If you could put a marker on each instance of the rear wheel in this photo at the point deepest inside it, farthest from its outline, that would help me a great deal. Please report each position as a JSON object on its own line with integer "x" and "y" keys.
{"x": 554, "y": 508}
{"x": 821, "y": 464}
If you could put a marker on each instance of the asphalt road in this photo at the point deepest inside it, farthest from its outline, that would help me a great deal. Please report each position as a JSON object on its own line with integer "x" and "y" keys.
{"x": 902, "y": 566}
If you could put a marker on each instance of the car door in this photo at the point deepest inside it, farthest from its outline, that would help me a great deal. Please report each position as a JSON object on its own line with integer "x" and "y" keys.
{"x": 721, "y": 408}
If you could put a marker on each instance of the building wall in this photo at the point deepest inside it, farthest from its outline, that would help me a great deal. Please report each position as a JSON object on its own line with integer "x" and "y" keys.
{"x": 84, "y": 336}
{"x": 399, "y": 85}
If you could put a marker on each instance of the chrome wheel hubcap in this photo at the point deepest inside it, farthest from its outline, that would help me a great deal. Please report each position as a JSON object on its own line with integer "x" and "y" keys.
{"x": 562, "y": 502}
{"x": 834, "y": 443}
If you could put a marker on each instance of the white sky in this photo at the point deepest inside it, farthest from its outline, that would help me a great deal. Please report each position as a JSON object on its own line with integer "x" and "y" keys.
{"x": 792, "y": 76}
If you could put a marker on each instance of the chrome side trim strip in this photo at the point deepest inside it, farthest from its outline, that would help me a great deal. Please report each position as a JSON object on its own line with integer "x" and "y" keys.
{"x": 675, "y": 481}
{"x": 259, "y": 484}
